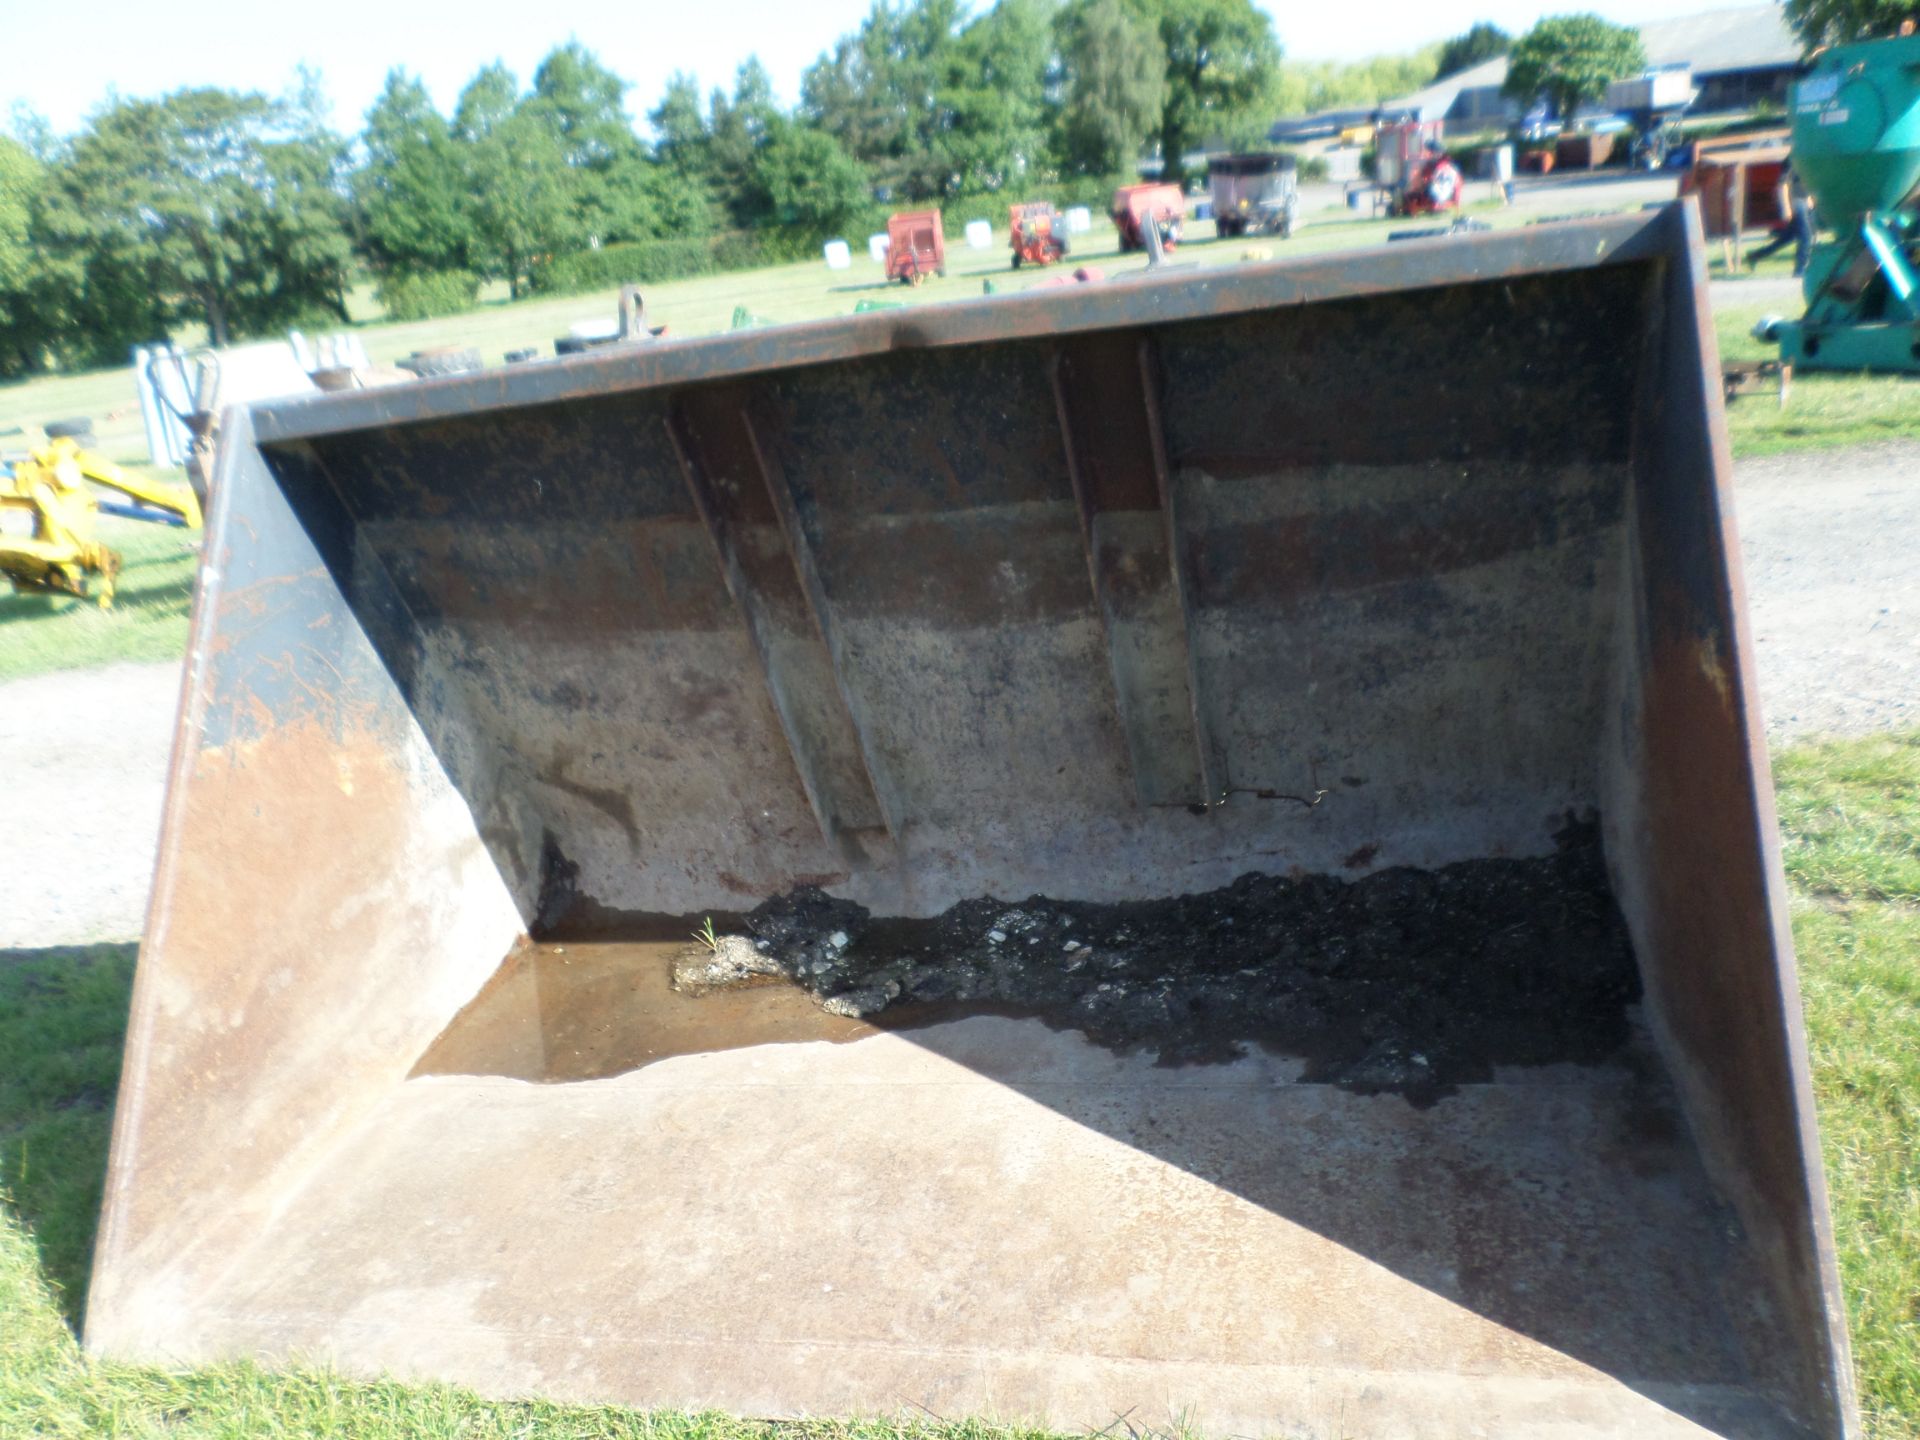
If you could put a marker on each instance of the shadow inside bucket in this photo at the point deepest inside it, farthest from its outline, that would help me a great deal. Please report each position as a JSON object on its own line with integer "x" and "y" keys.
{"x": 1573, "y": 1191}
{"x": 919, "y": 627}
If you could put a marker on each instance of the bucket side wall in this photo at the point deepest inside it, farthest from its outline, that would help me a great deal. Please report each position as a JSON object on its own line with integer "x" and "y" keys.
{"x": 323, "y": 904}
{"x": 1693, "y": 842}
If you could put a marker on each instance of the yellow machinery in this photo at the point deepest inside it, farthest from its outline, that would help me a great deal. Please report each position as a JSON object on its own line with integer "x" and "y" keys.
{"x": 60, "y": 553}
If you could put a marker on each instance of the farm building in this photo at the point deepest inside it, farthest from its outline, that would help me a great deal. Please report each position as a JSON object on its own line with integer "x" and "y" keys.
{"x": 1739, "y": 57}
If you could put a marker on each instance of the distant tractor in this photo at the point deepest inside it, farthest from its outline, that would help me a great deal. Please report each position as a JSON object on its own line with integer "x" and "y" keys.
{"x": 1137, "y": 206}
{"x": 1412, "y": 166}
{"x": 1254, "y": 193}
{"x": 1039, "y": 234}
{"x": 916, "y": 246}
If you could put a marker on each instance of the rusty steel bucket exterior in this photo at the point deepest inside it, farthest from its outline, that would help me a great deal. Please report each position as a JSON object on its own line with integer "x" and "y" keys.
{"x": 1031, "y": 595}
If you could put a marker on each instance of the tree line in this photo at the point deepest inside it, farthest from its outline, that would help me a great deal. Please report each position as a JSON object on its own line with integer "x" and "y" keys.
{"x": 246, "y": 214}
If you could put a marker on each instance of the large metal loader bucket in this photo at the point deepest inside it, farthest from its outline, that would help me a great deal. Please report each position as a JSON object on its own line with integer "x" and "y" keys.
{"x": 1239, "y": 846}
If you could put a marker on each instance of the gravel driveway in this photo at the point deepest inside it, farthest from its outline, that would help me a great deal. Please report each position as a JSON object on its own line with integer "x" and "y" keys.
{"x": 1833, "y": 583}
{"x": 1832, "y": 548}
{"x": 83, "y": 769}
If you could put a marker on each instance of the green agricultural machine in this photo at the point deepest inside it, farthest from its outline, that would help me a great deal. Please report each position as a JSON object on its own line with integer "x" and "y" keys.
{"x": 1856, "y": 145}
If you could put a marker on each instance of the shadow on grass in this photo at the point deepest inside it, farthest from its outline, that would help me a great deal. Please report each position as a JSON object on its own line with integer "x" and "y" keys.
{"x": 63, "y": 1015}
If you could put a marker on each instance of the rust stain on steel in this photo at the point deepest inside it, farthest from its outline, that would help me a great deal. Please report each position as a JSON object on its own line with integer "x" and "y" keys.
{"x": 1414, "y": 572}
{"x": 244, "y": 1070}
{"x": 1503, "y": 256}
{"x": 1722, "y": 977}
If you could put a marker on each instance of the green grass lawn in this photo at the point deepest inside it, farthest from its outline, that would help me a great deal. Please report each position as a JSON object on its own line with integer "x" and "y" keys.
{"x": 803, "y": 291}
{"x": 150, "y": 622}
{"x": 1851, "y": 816}
{"x": 1824, "y": 410}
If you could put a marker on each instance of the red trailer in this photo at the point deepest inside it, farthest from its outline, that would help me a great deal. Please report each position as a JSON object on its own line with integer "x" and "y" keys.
{"x": 1038, "y": 236}
{"x": 1135, "y": 205}
{"x": 916, "y": 246}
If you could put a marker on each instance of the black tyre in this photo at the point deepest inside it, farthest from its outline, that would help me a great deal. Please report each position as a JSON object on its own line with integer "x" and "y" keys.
{"x": 76, "y": 429}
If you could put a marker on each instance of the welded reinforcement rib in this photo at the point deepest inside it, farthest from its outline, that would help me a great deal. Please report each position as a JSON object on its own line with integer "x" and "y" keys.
{"x": 842, "y": 796}
{"x": 1116, "y": 492}
{"x": 1212, "y": 767}
{"x": 807, "y": 572}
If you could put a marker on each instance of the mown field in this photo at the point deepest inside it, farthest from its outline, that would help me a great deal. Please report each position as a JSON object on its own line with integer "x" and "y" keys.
{"x": 1851, "y": 817}
{"x": 700, "y": 306}
{"x": 37, "y": 633}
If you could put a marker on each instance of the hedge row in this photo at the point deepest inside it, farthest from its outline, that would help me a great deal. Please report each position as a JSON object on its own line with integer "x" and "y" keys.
{"x": 642, "y": 262}
{"x": 421, "y": 297}
{"x": 650, "y": 262}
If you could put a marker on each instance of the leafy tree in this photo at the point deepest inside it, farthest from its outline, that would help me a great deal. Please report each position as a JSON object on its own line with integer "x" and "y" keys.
{"x": 1483, "y": 42}
{"x": 679, "y": 127}
{"x": 1569, "y": 60}
{"x": 802, "y": 179}
{"x": 300, "y": 239}
{"x": 737, "y": 129}
{"x": 1308, "y": 85}
{"x": 22, "y": 338}
{"x": 1112, "y": 85}
{"x": 523, "y": 198}
{"x": 222, "y": 201}
{"x": 1837, "y": 22}
{"x": 933, "y": 104}
{"x": 1221, "y": 62}
{"x": 585, "y": 103}
{"x": 880, "y": 94}
{"x": 32, "y": 131}
{"x": 990, "y": 115}
{"x": 412, "y": 191}
{"x": 845, "y": 94}
{"x": 651, "y": 201}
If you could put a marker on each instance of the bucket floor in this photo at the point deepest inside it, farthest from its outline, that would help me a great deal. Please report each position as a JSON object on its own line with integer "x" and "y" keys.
{"x": 988, "y": 1217}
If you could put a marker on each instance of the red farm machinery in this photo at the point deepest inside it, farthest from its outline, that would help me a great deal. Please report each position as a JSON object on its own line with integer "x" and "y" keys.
{"x": 1413, "y": 167}
{"x": 916, "y": 246}
{"x": 1038, "y": 234}
{"x": 1135, "y": 207}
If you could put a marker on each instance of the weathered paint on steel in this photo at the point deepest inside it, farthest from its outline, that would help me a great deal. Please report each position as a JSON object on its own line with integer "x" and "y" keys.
{"x": 940, "y": 603}
{"x": 1501, "y": 256}
{"x": 1695, "y": 847}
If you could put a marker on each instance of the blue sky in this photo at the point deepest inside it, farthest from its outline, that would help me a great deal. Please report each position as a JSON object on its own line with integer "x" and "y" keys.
{"x": 145, "y": 48}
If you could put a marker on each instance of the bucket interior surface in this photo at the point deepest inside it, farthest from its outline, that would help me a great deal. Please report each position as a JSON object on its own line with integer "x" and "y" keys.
{"x": 1266, "y": 670}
